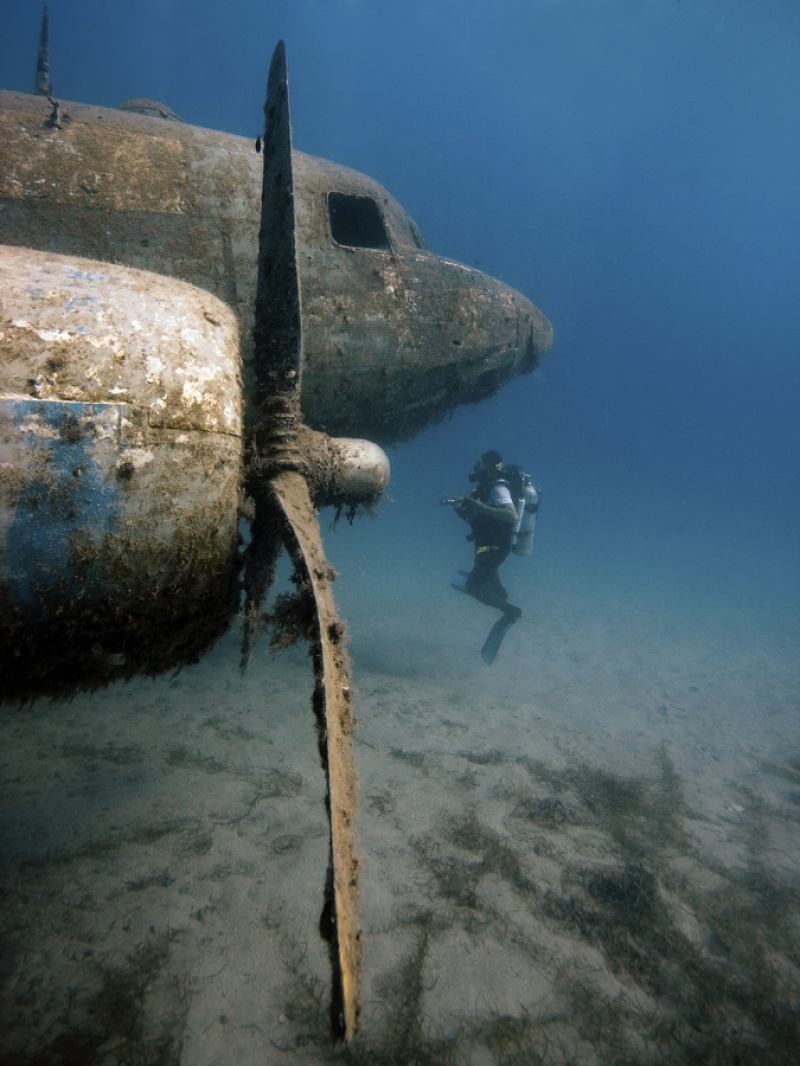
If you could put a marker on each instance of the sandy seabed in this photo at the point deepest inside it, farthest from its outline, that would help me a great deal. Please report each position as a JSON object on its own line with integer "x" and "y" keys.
{"x": 587, "y": 853}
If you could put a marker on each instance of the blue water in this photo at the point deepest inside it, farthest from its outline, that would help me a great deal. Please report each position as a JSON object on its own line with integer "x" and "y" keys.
{"x": 633, "y": 167}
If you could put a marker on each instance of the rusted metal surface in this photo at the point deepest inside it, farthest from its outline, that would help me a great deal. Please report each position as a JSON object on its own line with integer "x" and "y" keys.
{"x": 340, "y": 924}
{"x": 394, "y": 337}
{"x": 120, "y": 460}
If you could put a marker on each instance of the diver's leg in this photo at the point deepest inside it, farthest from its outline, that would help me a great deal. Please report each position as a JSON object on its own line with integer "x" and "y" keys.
{"x": 497, "y": 584}
{"x": 484, "y": 583}
{"x": 482, "y": 578}
{"x": 511, "y": 614}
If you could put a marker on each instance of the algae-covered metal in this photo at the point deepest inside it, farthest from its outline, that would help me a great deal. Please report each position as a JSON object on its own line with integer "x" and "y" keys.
{"x": 120, "y": 468}
{"x": 394, "y": 337}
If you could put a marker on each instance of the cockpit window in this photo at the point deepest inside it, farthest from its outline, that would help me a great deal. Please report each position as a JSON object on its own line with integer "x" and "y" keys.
{"x": 356, "y": 222}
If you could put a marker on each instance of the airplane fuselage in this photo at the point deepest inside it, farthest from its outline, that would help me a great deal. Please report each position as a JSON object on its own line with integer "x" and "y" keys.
{"x": 394, "y": 337}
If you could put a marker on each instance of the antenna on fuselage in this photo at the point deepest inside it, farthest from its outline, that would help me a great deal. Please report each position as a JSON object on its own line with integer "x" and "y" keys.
{"x": 42, "y": 85}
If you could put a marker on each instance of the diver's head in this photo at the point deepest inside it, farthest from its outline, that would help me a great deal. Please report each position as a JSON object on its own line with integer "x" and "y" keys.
{"x": 490, "y": 465}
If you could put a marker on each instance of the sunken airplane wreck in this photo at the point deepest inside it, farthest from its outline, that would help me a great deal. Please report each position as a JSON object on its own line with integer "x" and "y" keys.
{"x": 183, "y": 328}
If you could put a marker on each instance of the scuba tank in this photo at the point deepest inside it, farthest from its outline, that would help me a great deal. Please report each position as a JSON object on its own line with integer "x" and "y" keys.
{"x": 527, "y": 504}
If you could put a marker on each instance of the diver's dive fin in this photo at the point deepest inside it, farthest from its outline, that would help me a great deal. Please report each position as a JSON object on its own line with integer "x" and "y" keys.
{"x": 495, "y": 638}
{"x": 335, "y": 726}
{"x": 459, "y": 580}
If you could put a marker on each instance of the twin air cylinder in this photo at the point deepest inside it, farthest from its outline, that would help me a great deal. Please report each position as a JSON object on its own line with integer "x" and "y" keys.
{"x": 527, "y": 509}
{"x": 120, "y": 472}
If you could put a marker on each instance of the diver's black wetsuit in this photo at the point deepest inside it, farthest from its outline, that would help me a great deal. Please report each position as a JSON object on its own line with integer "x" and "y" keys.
{"x": 492, "y": 546}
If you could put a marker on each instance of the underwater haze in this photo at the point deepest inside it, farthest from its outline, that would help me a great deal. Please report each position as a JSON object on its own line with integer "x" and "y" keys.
{"x": 587, "y": 852}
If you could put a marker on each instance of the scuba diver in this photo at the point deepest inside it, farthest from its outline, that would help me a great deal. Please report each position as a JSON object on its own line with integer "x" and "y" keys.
{"x": 499, "y": 522}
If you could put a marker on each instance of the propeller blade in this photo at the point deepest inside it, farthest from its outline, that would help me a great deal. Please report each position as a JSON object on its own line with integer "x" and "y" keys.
{"x": 333, "y": 712}
{"x": 277, "y": 336}
{"x": 42, "y": 85}
{"x": 280, "y": 458}
{"x": 278, "y": 333}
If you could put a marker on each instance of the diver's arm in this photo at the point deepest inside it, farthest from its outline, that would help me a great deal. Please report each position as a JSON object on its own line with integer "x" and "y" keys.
{"x": 506, "y": 514}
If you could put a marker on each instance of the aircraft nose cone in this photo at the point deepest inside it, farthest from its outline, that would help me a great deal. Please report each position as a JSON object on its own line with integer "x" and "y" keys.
{"x": 485, "y": 334}
{"x": 430, "y": 334}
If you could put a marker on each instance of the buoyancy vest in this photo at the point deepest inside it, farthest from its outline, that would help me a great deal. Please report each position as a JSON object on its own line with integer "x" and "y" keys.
{"x": 489, "y": 532}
